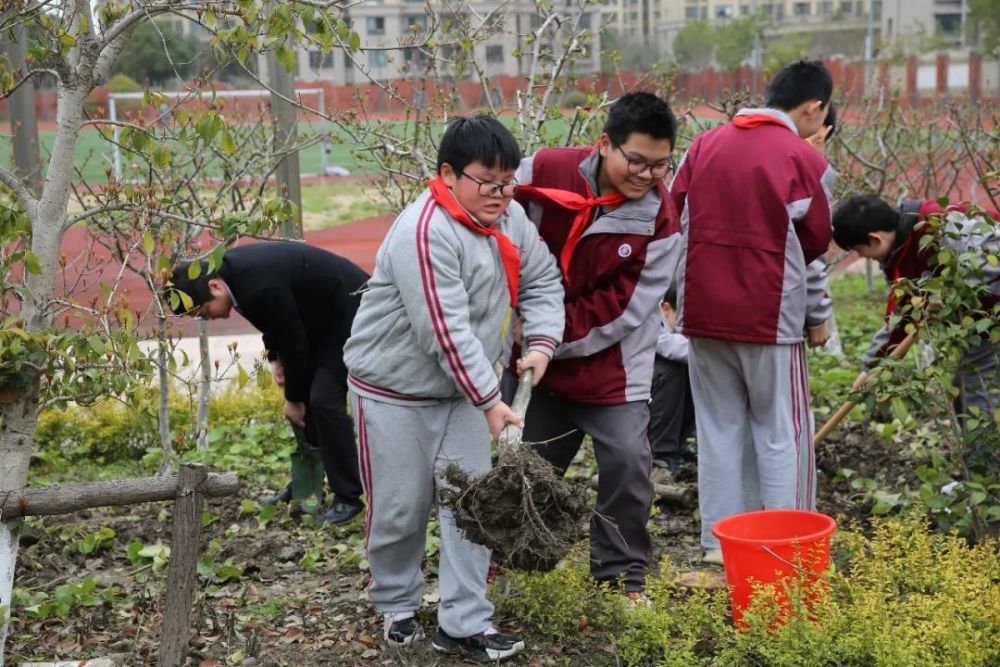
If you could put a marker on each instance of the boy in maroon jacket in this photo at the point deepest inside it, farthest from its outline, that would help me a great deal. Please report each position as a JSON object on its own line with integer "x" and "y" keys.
{"x": 894, "y": 237}
{"x": 606, "y": 216}
{"x": 755, "y": 213}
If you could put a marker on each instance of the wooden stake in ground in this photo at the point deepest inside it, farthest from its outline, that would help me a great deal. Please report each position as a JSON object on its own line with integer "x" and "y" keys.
{"x": 182, "y": 578}
{"x": 898, "y": 353}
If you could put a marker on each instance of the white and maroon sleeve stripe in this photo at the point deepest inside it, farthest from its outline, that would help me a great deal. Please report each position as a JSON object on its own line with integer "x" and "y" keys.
{"x": 435, "y": 309}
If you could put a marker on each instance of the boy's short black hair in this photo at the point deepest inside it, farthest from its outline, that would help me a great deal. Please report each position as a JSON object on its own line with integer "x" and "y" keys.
{"x": 831, "y": 119}
{"x": 640, "y": 112}
{"x": 800, "y": 82}
{"x": 860, "y": 215}
{"x": 670, "y": 297}
{"x": 196, "y": 288}
{"x": 481, "y": 139}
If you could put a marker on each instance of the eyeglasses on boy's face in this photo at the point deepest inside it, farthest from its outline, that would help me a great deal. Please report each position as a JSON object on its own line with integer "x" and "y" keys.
{"x": 487, "y": 189}
{"x": 637, "y": 166}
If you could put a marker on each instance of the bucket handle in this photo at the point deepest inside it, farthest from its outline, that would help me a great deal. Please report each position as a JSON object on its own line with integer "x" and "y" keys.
{"x": 800, "y": 570}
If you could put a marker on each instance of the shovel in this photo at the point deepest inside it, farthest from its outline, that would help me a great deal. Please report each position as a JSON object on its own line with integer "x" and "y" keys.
{"x": 898, "y": 353}
{"x": 511, "y": 436}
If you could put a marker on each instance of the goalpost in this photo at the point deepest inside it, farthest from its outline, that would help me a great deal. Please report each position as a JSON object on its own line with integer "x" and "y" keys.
{"x": 113, "y": 112}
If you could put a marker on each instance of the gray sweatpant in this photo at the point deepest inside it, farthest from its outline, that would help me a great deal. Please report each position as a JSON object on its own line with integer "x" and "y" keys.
{"x": 619, "y": 540}
{"x": 403, "y": 452}
{"x": 755, "y": 429}
{"x": 978, "y": 379}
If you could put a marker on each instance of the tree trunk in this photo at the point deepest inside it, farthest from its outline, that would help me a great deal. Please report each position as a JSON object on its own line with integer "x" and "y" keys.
{"x": 17, "y": 443}
{"x": 205, "y": 390}
{"x": 164, "y": 416}
{"x": 47, "y": 216}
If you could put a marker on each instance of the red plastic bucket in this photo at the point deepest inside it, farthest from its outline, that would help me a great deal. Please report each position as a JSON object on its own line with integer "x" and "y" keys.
{"x": 771, "y": 545}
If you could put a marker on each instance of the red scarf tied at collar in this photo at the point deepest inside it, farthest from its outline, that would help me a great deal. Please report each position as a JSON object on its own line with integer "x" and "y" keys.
{"x": 584, "y": 205}
{"x": 509, "y": 253}
{"x": 751, "y": 120}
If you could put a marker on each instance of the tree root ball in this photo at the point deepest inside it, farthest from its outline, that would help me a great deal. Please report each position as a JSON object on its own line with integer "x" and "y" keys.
{"x": 522, "y": 509}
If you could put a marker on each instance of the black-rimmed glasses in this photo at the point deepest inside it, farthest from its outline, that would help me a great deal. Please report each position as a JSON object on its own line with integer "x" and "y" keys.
{"x": 656, "y": 170}
{"x": 487, "y": 189}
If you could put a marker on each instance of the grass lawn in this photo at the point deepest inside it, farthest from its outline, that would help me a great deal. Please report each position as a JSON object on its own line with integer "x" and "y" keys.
{"x": 94, "y": 155}
{"x": 330, "y": 204}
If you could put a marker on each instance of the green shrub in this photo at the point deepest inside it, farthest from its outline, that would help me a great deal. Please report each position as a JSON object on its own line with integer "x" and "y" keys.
{"x": 903, "y": 596}
{"x": 574, "y": 99}
{"x": 110, "y": 431}
{"x": 123, "y": 83}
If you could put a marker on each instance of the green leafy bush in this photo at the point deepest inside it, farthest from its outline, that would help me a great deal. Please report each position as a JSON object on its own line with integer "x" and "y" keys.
{"x": 902, "y": 596}
{"x": 110, "y": 431}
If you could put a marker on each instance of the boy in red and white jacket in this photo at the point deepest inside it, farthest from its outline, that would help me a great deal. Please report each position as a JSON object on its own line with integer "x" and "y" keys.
{"x": 755, "y": 212}
{"x": 606, "y": 216}
{"x": 894, "y": 237}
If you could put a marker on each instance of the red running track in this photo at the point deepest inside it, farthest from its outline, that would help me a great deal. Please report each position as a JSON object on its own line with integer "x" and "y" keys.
{"x": 87, "y": 265}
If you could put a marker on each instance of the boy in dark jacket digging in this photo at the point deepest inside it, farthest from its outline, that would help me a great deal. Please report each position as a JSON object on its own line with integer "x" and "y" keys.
{"x": 302, "y": 299}
{"x": 423, "y": 383}
{"x": 604, "y": 213}
{"x": 895, "y": 237}
{"x": 747, "y": 279}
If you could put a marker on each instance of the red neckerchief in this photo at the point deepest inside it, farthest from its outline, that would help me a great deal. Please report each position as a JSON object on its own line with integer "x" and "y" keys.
{"x": 750, "y": 120}
{"x": 584, "y": 206}
{"x": 509, "y": 253}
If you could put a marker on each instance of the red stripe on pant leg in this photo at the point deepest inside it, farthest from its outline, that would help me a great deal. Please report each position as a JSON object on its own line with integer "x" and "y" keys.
{"x": 366, "y": 470}
{"x": 809, "y": 431}
{"x": 797, "y": 419}
{"x": 366, "y": 478}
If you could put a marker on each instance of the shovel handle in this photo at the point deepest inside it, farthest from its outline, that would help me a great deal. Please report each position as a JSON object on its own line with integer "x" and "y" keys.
{"x": 510, "y": 436}
{"x": 898, "y": 353}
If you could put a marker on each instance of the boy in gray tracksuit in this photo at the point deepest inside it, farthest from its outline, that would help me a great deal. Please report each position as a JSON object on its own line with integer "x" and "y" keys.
{"x": 424, "y": 388}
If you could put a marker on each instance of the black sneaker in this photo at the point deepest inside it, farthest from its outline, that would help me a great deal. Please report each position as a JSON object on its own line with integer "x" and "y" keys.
{"x": 339, "y": 513}
{"x": 402, "y": 632}
{"x": 489, "y": 646}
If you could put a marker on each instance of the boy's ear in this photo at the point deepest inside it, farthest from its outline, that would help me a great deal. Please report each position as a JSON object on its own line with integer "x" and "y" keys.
{"x": 448, "y": 175}
{"x": 215, "y": 286}
{"x": 604, "y": 144}
{"x": 873, "y": 239}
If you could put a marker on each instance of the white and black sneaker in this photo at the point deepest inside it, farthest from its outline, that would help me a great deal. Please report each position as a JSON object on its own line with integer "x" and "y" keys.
{"x": 488, "y": 646}
{"x": 402, "y": 629}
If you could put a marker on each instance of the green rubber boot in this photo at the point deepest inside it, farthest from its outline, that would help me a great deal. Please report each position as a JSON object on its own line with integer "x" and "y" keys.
{"x": 307, "y": 473}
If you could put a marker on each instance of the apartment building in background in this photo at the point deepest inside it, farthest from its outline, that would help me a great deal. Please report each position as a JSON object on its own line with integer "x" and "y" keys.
{"x": 657, "y": 22}
{"x": 946, "y": 19}
{"x": 385, "y": 25}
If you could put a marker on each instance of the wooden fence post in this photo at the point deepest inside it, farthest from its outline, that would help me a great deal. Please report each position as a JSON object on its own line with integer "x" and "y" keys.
{"x": 182, "y": 578}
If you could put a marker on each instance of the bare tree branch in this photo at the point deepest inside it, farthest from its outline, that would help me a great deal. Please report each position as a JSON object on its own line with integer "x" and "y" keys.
{"x": 20, "y": 190}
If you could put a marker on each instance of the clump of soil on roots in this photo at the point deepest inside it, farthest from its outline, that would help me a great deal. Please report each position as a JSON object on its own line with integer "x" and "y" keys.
{"x": 522, "y": 509}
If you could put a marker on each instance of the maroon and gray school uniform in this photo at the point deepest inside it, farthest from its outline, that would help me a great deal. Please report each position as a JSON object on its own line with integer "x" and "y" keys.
{"x": 422, "y": 360}
{"x": 671, "y": 405}
{"x": 755, "y": 208}
{"x": 978, "y": 373}
{"x": 598, "y": 382}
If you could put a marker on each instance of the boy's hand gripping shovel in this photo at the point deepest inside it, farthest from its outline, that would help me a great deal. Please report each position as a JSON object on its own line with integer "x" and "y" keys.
{"x": 511, "y": 435}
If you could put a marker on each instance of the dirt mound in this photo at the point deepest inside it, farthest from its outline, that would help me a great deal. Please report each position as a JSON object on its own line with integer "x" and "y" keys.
{"x": 522, "y": 509}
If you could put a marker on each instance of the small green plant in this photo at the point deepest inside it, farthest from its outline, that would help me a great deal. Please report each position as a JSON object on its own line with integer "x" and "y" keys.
{"x": 41, "y": 605}
{"x": 154, "y": 555}
{"x": 100, "y": 540}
